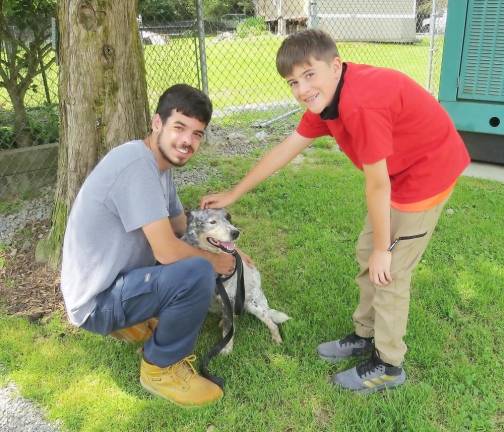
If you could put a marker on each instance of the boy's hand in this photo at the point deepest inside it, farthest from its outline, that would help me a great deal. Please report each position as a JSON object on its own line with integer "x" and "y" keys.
{"x": 219, "y": 200}
{"x": 379, "y": 267}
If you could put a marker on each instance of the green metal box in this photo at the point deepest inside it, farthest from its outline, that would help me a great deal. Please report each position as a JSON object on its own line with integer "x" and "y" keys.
{"x": 472, "y": 75}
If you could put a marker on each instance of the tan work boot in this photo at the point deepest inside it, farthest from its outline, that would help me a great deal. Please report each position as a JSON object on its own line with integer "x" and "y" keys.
{"x": 179, "y": 383}
{"x": 140, "y": 332}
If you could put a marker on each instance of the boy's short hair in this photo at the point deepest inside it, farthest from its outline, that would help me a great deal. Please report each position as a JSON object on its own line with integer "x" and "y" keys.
{"x": 186, "y": 100}
{"x": 298, "y": 48}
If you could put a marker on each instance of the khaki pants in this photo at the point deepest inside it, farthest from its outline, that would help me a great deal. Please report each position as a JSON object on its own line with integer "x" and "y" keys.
{"x": 382, "y": 312}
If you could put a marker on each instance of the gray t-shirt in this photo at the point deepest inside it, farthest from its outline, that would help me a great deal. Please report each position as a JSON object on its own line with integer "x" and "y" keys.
{"x": 104, "y": 236}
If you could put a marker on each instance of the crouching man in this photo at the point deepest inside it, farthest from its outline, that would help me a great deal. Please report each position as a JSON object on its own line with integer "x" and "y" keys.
{"x": 126, "y": 217}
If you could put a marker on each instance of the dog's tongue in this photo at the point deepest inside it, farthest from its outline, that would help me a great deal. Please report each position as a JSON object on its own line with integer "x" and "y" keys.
{"x": 228, "y": 245}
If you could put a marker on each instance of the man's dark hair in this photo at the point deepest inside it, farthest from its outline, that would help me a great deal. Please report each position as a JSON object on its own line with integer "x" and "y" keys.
{"x": 298, "y": 48}
{"x": 186, "y": 100}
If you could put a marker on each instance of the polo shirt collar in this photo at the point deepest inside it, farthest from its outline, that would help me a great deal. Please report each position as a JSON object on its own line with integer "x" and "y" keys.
{"x": 331, "y": 111}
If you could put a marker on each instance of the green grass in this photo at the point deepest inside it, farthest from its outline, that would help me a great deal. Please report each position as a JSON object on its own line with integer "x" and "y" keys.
{"x": 13, "y": 204}
{"x": 300, "y": 227}
{"x": 242, "y": 71}
{"x": 2, "y": 257}
{"x": 10, "y": 206}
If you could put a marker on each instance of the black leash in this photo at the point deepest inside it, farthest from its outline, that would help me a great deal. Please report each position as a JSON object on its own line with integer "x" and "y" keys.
{"x": 398, "y": 239}
{"x": 229, "y": 313}
{"x": 240, "y": 287}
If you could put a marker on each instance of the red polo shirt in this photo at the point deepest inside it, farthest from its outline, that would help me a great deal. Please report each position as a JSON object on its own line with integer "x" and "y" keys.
{"x": 380, "y": 113}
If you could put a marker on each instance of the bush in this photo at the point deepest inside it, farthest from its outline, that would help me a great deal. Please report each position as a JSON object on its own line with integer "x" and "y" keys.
{"x": 253, "y": 26}
{"x": 6, "y": 138}
{"x": 43, "y": 122}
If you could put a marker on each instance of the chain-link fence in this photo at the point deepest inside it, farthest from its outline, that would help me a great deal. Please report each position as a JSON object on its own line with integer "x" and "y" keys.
{"x": 240, "y": 62}
{"x": 28, "y": 98}
{"x": 229, "y": 55}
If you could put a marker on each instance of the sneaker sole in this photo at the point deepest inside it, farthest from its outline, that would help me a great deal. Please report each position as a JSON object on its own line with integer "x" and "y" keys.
{"x": 365, "y": 391}
{"x": 155, "y": 393}
{"x": 379, "y": 388}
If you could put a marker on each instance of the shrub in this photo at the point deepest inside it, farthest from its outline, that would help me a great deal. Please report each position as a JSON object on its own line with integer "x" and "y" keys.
{"x": 6, "y": 137}
{"x": 43, "y": 122}
{"x": 253, "y": 26}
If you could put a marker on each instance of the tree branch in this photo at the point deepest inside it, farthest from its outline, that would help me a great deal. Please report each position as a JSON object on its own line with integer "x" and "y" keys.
{"x": 48, "y": 64}
{"x": 3, "y": 75}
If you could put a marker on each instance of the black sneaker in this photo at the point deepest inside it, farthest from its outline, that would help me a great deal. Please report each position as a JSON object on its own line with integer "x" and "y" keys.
{"x": 350, "y": 346}
{"x": 371, "y": 376}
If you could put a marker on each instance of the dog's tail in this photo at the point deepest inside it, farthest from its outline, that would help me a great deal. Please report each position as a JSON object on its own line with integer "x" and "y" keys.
{"x": 277, "y": 316}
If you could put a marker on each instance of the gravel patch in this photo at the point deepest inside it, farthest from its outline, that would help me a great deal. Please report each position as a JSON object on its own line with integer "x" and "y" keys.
{"x": 40, "y": 208}
{"x": 233, "y": 143}
{"x": 19, "y": 415}
{"x": 194, "y": 176}
{"x": 221, "y": 141}
{"x": 32, "y": 210}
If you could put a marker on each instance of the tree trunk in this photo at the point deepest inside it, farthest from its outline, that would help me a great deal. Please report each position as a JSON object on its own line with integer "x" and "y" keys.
{"x": 102, "y": 93}
{"x": 22, "y": 129}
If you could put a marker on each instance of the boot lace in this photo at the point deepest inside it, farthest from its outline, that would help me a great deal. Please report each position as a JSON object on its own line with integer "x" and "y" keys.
{"x": 185, "y": 369}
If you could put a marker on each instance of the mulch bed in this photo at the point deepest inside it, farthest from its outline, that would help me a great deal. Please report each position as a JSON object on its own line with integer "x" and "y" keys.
{"x": 27, "y": 288}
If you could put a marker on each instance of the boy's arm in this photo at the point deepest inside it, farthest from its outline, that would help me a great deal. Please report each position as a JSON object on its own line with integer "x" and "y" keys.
{"x": 378, "y": 203}
{"x": 275, "y": 159}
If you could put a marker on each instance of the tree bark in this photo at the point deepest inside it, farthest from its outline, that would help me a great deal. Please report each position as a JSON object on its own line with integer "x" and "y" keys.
{"x": 102, "y": 93}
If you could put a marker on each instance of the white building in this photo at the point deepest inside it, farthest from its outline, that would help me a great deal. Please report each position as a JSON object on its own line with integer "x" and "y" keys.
{"x": 344, "y": 20}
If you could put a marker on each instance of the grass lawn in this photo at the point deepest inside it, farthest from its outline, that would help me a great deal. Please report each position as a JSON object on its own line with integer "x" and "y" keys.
{"x": 301, "y": 227}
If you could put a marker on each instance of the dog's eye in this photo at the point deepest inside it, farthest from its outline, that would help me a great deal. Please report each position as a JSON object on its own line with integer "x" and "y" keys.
{"x": 228, "y": 217}
{"x": 212, "y": 222}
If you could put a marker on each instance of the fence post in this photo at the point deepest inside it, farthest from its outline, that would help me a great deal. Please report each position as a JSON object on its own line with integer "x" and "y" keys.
{"x": 281, "y": 30}
{"x": 201, "y": 41}
{"x": 432, "y": 35}
{"x": 312, "y": 14}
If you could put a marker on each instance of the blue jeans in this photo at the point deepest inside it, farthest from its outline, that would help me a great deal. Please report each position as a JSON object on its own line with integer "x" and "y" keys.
{"x": 178, "y": 294}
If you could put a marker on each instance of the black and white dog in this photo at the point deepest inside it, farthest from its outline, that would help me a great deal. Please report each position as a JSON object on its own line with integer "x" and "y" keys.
{"x": 211, "y": 230}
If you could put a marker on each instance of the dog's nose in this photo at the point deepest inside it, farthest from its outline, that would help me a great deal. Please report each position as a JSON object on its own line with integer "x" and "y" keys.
{"x": 235, "y": 234}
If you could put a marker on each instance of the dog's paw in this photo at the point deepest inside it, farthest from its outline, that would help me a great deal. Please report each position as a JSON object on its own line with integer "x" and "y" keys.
{"x": 278, "y": 317}
{"x": 277, "y": 339}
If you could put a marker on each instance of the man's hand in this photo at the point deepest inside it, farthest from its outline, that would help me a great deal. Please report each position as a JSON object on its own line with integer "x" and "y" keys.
{"x": 223, "y": 263}
{"x": 245, "y": 258}
{"x": 219, "y": 200}
{"x": 379, "y": 267}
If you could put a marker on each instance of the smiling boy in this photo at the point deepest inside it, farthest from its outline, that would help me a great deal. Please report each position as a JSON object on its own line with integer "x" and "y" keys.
{"x": 411, "y": 155}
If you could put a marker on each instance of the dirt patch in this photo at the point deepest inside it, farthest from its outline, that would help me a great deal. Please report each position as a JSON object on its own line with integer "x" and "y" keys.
{"x": 26, "y": 288}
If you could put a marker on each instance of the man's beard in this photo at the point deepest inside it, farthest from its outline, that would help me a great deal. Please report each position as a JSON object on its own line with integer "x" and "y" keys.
{"x": 166, "y": 157}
